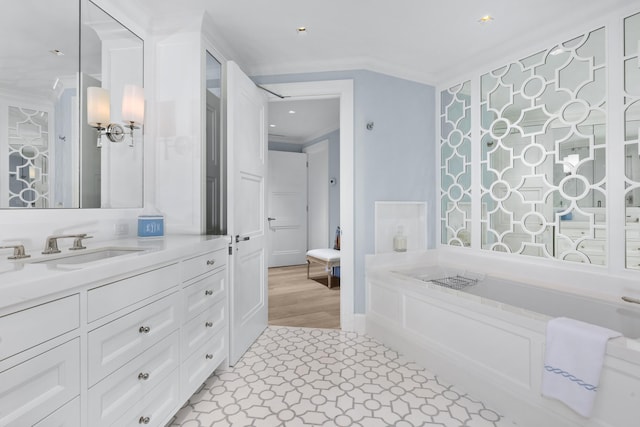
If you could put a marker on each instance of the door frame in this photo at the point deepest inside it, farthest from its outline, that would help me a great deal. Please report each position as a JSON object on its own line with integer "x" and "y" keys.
{"x": 344, "y": 90}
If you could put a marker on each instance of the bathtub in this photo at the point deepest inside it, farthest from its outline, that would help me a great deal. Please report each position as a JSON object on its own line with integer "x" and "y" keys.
{"x": 488, "y": 339}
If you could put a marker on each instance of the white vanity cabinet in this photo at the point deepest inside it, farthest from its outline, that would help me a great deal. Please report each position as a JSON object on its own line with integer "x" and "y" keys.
{"x": 204, "y": 339}
{"x": 633, "y": 245}
{"x": 39, "y": 373}
{"x": 128, "y": 346}
{"x": 37, "y": 387}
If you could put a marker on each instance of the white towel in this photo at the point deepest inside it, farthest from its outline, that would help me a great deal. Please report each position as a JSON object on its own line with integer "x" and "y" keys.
{"x": 573, "y": 362}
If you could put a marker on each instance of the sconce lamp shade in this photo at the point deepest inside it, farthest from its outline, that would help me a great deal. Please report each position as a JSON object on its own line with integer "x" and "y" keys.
{"x": 98, "y": 106}
{"x": 133, "y": 104}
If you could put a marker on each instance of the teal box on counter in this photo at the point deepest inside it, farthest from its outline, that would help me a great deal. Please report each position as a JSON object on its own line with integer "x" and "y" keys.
{"x": 150, "y": 225}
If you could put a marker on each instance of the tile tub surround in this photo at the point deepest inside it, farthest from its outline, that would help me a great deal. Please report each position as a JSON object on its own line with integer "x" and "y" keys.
{"x": 321, "y": 377}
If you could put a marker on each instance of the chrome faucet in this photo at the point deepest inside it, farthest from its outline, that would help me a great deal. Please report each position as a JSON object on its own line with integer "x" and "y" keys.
{"x": 51, "y": 244}
{"x": 18, "y": 251}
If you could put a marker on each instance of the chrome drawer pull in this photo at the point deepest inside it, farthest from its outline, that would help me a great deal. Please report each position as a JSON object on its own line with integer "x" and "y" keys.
{"x": 209, "y": 356}
{"x": 144, "y": 420}
{"x": 144, "y": 329}
{"x": 208, "y": 324}
{"x": 211, "y": 261}
{"x": 208, "y": 292}
{"x": 143, "y": 376}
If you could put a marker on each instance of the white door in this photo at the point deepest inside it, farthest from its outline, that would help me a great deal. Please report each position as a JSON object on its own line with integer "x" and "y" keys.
{"x": 318, "y": 157}
{"x": 247, "y": 162}
{"x": 287, "y": 208}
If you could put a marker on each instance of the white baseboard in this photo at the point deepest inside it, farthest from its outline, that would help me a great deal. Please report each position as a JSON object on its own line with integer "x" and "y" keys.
{"x": 360, "y": 323}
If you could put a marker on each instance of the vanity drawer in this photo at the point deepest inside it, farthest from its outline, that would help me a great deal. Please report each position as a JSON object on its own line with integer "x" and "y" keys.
{"x": 27, "y": 328}
{"x": 194, "y": 267}
{"x": 204, "y": 292}
{"x": 114, "y": 344}
{"x": 67, "y": 416}
{"x": 37, "y": 387}
{"x": 123, "y": 293}
{"x": 633, "y": 261}
{"x": 157, "y": 407}
{"x": 197, "y": 368}
{"x": 203, "y": 327}
{"x": 111, "y": 397}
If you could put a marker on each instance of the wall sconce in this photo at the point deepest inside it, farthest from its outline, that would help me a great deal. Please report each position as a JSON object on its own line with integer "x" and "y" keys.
{"x": 99, "y": 113}
{"x": 570, "y": 162}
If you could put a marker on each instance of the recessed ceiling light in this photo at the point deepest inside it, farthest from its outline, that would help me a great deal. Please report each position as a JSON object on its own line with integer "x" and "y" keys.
{"x": 557, "y": 51}
{"x": 272, "y": 126}
{"x": 485, "y": 19}
{"x": 302, "y": 30}
{"x": 292, "y": 112}
{"x": 56, "y": 52}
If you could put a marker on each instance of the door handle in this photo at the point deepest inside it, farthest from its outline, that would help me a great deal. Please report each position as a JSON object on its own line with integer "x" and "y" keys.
{"x": 271, "y": 219}
{"x": 238, "y": 238}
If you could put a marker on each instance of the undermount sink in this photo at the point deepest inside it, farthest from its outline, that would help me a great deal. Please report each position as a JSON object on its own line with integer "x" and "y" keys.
{"x": 86, "y": 255}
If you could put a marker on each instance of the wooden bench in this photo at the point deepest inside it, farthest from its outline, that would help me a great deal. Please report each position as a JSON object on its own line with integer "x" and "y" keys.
{"x": 329, "y": 257}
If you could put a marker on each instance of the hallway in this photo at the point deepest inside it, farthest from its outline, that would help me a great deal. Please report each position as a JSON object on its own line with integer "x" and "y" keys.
{"x": 295, "y": 300}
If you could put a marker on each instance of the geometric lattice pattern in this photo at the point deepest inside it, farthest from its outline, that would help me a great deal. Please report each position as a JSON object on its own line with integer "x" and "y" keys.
{"x": 631, "y": 138}
{"x": 543, "y": 148}
{"x": 28, "y": 158}
{"x": 322, "y": 377}
{"x": 455, "y": 165}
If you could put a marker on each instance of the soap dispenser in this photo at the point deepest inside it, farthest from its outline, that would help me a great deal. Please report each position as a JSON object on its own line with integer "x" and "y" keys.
{"x": 400, "y": 240}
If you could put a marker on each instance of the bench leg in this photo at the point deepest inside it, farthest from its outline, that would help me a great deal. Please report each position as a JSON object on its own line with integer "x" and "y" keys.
{"x": 308, "y": 266}
{"x": 329, "y": 278}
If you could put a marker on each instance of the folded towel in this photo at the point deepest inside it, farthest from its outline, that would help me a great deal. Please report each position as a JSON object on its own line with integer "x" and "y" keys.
{"x": 573, "y": 362}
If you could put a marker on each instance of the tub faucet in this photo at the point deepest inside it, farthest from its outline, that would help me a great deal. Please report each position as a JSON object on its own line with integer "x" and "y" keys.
{"x": 18, "y": 251}
{"x": 51, "y": 244}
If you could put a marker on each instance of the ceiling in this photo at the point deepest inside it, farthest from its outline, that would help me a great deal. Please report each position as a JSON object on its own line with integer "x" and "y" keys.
{"x": 428, "y": 41}
{"x": 310, "y": 119}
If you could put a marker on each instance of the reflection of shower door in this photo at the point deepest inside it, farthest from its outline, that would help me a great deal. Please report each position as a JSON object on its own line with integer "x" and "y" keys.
{"x": 25, "y": 154}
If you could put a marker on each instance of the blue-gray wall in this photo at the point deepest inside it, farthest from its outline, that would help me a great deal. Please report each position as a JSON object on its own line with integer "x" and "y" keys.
{"x": 334, "y": 172}
{"x": 395, "y": 161}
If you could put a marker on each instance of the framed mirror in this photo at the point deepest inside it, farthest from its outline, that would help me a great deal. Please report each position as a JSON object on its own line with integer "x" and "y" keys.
{"x": 45, "y": 159}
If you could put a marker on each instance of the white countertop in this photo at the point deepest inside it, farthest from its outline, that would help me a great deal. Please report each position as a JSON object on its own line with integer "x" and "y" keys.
{"x": 23, "y": 281}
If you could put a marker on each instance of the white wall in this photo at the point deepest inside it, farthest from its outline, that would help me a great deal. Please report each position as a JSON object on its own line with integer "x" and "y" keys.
{"x": 334, "y": 172}
{"x": 318, "y": 195}
{"x": 179, "y": 135}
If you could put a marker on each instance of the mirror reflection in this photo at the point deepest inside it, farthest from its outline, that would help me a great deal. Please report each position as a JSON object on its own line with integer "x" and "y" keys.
{"x": 632, "y": 139}
{"x": 215, "y": 189}
{"x": 455, "y": 165}
{"x": 44, "y": 161}
{"x": 543, "y": 153}
{"x": 111, "y": 168}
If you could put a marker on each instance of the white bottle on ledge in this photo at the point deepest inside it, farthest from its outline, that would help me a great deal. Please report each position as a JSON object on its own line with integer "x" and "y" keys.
{"x": 400, "y": 241}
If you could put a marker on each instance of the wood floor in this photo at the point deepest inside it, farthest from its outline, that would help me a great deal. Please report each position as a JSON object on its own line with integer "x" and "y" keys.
{"x": 295, "y": 300}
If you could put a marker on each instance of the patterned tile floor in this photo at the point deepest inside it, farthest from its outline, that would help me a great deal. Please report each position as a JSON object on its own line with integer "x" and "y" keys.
{"x": 322, "y": 377}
